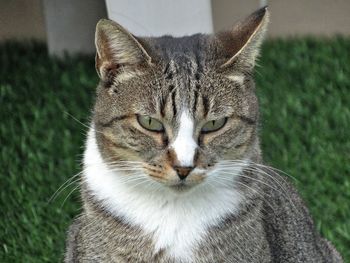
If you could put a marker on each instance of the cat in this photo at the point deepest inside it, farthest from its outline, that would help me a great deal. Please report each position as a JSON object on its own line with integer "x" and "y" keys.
{"x": 173, "y": 170}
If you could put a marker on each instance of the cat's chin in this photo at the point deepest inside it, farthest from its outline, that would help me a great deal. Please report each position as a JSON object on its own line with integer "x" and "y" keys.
{"x": 181, "y": 187}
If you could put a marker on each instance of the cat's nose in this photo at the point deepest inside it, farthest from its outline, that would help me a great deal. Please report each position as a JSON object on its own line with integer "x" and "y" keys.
{"x": 183, "y": 171}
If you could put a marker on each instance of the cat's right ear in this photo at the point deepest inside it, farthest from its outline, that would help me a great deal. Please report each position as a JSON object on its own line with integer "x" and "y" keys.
{"x": 119, "y": 53}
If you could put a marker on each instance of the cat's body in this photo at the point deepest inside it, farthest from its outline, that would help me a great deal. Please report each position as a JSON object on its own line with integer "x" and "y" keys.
{"x": 186, "y": 184}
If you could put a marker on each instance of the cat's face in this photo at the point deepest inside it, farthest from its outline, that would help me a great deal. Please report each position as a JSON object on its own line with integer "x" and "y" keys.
{"x": 176, "y": 107}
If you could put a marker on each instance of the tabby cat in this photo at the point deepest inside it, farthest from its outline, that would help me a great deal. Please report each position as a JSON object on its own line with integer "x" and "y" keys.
{"x": 173, "y": 169}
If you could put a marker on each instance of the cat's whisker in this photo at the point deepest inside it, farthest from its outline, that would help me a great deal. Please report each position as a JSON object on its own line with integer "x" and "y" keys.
{"x": 235, "y": 181}
{"x": 273, "y": 169}
{"x": 153, "y": 185}
{"x": 133, "y": 179}
{"x": 262, "y": 172}
{"x": 256, "y": 166}
{"x": 66, "y": 187}
{"x": 222, "y": 182}
{"x": 135, "y": 165}
{"x": 259, "y": 171}
{"x": 126, "y": 164}
{"x": 118, "y": 162}
{"x": 254, "y": 179}
{"x": 282, "y": 193}
{"x": 261, "y": 194}
{"x": 86, "y": 126}
{"x": 138, "y": 184}
{"x": 127, "y": 173}
{"x": 255, "y": 169}
{"x": 115, "y": 169}
{"x": 116, "y": 165}
{"x": 132, "y": 175}
{"x": 125, "y": 168}
{"x": 69, "y": 194}
{"x": 126, "y": 161}
{"x": 63, "y": 186}
{"x": 70, "y": 181}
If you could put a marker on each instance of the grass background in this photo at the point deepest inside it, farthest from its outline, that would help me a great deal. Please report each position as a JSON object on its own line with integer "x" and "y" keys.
{"x": 303, "y": 85}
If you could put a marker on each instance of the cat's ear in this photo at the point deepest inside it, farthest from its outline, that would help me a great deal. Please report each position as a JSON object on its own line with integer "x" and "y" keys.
{"x": 118, "y": 50}
{"x": 241, "y": 45}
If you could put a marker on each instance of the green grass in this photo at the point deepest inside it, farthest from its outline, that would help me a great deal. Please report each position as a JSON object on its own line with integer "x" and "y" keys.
{"x": 303, "y": 87}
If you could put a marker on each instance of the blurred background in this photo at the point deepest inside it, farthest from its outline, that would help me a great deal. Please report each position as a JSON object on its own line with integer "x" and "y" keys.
{"x": 69, "y": 25}
{"x": 47, "y": 88}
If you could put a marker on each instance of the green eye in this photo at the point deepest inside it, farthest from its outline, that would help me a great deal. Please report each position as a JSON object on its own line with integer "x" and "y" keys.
{"x": 213, "y": 125}
{"x": 149, "y": 123}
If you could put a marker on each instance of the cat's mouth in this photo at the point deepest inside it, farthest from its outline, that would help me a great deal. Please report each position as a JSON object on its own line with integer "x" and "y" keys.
{"x": 178, "y": 179}
{"x": 182, "y": 185}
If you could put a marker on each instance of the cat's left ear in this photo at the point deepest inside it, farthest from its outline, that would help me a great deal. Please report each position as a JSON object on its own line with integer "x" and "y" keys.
{"x": 240, "y": 46}
{"x": 119, "y": 53}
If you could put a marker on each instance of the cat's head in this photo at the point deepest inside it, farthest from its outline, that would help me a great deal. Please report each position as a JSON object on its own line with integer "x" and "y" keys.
{"x": 175, "y": 108}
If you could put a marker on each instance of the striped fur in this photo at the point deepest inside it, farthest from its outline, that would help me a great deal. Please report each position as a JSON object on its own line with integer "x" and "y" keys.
{"x": 180, "y": 195}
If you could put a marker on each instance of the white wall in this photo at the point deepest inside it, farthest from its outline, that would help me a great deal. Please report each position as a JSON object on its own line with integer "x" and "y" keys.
{"x": 160, "y": 17}
{"x": 70, "y": 25}
{"x": 289, "y": 17}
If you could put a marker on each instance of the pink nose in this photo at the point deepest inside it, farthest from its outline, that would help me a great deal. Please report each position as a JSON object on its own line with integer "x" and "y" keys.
{"x": 183, "y": 171}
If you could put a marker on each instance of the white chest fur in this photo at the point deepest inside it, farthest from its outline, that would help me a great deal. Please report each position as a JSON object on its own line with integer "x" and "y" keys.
{"x": 177, "y": 222}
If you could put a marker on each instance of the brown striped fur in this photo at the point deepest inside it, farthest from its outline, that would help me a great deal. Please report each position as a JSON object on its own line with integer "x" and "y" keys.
{"x": 212, "y": 77}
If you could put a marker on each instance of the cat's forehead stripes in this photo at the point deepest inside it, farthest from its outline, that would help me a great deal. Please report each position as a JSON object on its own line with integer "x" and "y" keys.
{"x": 183, "y": 102}
{"x": 182, "y": 74}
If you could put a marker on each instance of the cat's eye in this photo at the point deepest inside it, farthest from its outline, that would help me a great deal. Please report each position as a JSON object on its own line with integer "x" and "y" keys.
{"x": 213, "y": 125}
{"x": 149, "y": 123}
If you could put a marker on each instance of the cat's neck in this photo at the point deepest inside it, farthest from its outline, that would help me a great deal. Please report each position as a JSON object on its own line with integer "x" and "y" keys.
{"x": 176, "y": 221}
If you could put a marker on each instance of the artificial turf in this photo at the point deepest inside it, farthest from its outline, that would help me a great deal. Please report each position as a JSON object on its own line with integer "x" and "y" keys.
{"x": 303, "y": 86}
